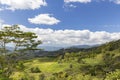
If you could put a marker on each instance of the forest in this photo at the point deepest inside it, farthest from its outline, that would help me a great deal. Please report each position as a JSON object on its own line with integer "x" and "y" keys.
{"x": 21, "y": 63}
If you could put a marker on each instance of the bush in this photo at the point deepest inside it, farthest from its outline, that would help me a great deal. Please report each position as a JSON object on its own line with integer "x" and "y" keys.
{"x": 20, "y": 66}
{"x": 41, "y": 77}
{"x": 35, "y": 70}
{"x": 3, "y": 78}
{"x": 24, "y": 78}
{"x": 113, "y": 75}
{"x": 71, "y": 66}
{"x": 51, "y": 78}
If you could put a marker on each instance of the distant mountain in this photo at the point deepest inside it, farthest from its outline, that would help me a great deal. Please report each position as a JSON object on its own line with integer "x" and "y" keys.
{"x": 111, "y": 46}
{"x": 50, "y": 48}
{"x": 55, "y": 48}
{"x": 81, "y": 46}
{"x": 9, "y": 48}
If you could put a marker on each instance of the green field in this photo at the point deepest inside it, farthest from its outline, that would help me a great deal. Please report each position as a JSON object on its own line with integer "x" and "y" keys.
{"x": 101, "y": 63}
{"x": 47, "y": 66}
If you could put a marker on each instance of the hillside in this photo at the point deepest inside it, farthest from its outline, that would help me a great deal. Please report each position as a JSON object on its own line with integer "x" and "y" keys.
{"x": 113, "y": 45}
{"x": 97, "y": 63}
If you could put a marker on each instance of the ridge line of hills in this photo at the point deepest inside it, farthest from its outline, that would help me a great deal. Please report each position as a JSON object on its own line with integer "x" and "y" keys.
{"x": 109, "y": 46}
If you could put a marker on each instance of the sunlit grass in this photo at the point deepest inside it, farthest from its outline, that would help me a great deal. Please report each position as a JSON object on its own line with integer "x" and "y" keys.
{"x": 47, "y": 67}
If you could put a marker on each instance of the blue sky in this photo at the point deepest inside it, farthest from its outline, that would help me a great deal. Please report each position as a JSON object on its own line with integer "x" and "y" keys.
{"x": 91, "y": 15}
{"x": 94, "y": 16}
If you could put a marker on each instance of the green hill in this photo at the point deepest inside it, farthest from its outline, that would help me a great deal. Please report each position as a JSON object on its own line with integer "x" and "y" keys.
{"x": 97, "y": 63}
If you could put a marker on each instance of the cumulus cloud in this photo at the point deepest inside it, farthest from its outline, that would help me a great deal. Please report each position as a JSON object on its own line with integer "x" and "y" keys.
{"x": 72, "y": 6}
{"x": 116, "y": 1}
{"x": 88, "y": 1}
{"x": 81, "y": 1}
{"x": 67, "y": 37}
{"x": 72, "y": 37}
{"x": 45, "y": 19}
{"x": 1, "y": 22}
{"x": 1, "y": 9}
{"x": 22, "y": 4}
{"x": 69, "y": 3}
{"x": 69, "y": 6}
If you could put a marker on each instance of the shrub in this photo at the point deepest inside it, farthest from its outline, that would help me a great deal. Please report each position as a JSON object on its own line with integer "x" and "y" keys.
{"x": 20, "y": 66}
{"x": 113, "y": 75}
{"x": 41, "y": 77}
{"x": 71, "y": 66}
{"x": 35, "y": 70}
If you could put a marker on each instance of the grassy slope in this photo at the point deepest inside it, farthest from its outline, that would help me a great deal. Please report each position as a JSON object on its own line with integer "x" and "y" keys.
{"x": 98, "y": 64}
{"x": 48, "y": 66}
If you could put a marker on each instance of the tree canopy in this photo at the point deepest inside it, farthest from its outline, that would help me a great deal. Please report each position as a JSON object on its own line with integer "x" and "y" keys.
{"x": 19, "y": 39}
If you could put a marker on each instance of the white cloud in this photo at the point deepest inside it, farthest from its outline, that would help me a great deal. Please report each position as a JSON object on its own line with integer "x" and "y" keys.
{"x": 81, "y": 1}
{"x": 88, "y": 1}
{"x": 45, "y": 19}
{"x": 69, "y": 6}
{"x": 1, "y": 22}
{"x": 116, "y": 1}
{"x": 22, "y": 4}
{"x": 65, "y": 38}
{"x": 72, "y": 6}
{"x": 72, "y": 37}
{"x": 1, "y": 9}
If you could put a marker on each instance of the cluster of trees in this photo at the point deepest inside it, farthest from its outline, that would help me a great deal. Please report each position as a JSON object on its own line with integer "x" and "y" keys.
{"x": 19, "y": 39}
{"x": 97, "y": 63}
{"x": 21, "y": 42}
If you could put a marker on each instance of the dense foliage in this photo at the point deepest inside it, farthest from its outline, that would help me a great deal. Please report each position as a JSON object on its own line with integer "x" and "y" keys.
{"x": 22, "y": 42}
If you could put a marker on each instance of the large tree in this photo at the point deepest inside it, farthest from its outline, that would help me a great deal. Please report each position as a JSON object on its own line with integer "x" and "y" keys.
{"x": 19, "y": 39}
